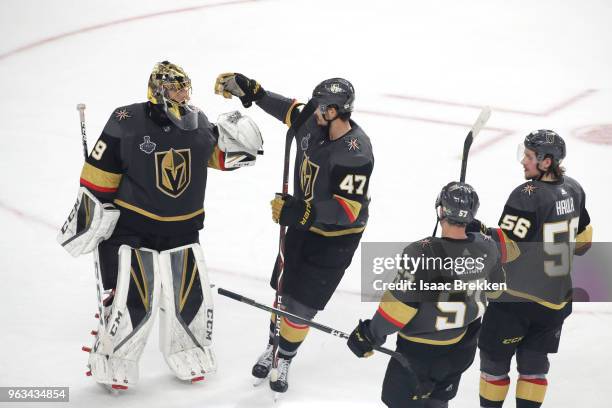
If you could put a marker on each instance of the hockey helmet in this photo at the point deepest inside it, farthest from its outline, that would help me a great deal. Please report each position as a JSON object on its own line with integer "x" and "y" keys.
{"x": 545, "y": 143}
{"x": 458, "y": 203}
{"x": 166, "y": 80}
{"x": 335, "y": 92}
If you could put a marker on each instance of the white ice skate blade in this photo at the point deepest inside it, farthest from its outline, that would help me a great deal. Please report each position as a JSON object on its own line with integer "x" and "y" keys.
{"x": 258, "y": 381}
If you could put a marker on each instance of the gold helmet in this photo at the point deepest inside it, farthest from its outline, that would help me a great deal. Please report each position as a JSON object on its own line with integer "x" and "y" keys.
{"x": 167, "y": 82}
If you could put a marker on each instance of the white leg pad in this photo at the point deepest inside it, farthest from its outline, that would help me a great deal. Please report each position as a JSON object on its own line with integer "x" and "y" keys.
{"x": 124, "y": 330}
{"x": 186, "y": 319}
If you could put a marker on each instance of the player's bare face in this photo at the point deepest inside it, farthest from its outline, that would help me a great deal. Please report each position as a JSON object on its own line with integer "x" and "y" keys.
{"x": 329, "y": 114}
{"x": 530, "y": 164}
{"x": 320, "y": 120}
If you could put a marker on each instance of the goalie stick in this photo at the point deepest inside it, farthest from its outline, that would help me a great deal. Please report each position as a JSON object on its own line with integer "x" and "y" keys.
{"x": 481, "y": 121}
{"x": 99, "y": 286}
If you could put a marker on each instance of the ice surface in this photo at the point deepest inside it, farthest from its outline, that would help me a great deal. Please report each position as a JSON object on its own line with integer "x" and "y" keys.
{"x": 421, "y": 70}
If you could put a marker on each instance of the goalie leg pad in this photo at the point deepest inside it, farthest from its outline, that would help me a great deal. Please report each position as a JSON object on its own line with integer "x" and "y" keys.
{"x": 125, "y": 328}
{"x": 186, "y": 319}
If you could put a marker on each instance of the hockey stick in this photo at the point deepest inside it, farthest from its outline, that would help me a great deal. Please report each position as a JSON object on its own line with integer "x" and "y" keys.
{"x": 99, "y": 286}
{"x": 293, "y": 128}
{"x": 232, "y": 295}
{"x": 481, "y": 121}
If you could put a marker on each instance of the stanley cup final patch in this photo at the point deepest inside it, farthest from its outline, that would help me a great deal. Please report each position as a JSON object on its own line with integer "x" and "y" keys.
{"x": 173, "y": 171}
{"x": 147, "y": 146}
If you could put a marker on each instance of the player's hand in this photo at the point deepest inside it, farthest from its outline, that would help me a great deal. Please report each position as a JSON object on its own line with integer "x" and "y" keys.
{"x": 360, "y": 341}
{"x": 477, "y": 226}
{"x": 231, "y": 84}
{"x": 290, "y": 211}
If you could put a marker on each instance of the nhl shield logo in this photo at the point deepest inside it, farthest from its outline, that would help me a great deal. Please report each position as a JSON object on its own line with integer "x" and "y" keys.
{"x": 173, "y": 171}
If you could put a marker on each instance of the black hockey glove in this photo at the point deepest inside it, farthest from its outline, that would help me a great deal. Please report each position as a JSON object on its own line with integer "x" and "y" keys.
{"x": 477, "y": 226}
{"x": 234, "y": 84}
{"x": 361, "y": 340}
{"x": 290, "y": 211}
{"x": 251, "y": 88}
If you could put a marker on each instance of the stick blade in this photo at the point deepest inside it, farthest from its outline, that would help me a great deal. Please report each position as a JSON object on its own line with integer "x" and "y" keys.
{"x": 481, "y": 121}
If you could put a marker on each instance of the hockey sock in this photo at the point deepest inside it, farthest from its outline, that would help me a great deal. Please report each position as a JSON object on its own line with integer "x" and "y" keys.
{"x": 530, "y": 391}
{"x": 291, "y": 336}
{"x": 493, "y": 390}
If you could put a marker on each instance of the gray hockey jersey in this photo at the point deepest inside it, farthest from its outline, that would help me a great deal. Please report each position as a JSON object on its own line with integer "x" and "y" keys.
{"x": 334, "y": 176}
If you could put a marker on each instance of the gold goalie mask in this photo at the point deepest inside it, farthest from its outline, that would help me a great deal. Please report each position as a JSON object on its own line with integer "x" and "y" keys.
{"x": 170, "y": 88}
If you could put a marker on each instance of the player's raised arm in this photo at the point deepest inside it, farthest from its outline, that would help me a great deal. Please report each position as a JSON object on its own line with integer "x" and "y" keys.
{"x": 249, "y": 90}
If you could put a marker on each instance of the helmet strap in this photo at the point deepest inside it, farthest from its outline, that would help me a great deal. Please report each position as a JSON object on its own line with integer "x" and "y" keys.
{"x": 438, "y": 219}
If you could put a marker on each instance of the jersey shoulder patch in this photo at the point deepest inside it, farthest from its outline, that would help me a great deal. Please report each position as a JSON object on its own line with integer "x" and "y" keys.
{"x": 525, "y": 197}
{"x": 124, "y": 118}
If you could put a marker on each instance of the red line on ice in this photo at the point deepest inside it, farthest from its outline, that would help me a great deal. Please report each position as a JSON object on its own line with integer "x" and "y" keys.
{"x": 553, "y": 109}
{"x": 117, "y": 22}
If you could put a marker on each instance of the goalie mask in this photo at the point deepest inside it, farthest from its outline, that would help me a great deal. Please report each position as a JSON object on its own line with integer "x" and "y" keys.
{"x": 170, "y": 88}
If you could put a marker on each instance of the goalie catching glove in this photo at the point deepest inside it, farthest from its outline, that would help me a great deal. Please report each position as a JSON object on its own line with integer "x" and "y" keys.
{"x": 239, "y": 138}
{"x": 290, "y": 211}
{"x": 231, "y": 84}
{"x": 89, "y": 223}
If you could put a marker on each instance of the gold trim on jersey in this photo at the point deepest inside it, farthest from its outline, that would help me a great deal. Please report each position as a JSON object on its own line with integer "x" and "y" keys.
{"x": 215, "y": 159}
{"x": 156, "y": 217}
{"x": 100, "y": 177}
{"x": 353, "y": 206}
{"x": 294, "y": 105}
{"x": 433, "y": 342}
{"x": 512, "y": 249}
{"x": 550, "y": 305}
{"x": 584, "y": 239}
{"x": 396, "y": 309}
{"x": 338, "y": 233}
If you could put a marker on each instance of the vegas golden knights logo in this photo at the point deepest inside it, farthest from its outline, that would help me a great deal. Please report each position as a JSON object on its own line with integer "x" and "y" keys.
{"x": 173, "y": 171}
{"x": 308, "y": 176}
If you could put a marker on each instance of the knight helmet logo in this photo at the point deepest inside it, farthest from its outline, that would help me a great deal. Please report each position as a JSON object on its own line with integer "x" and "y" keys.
{"x": 308, "y": 177}
{"x": 173, "y": 171}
